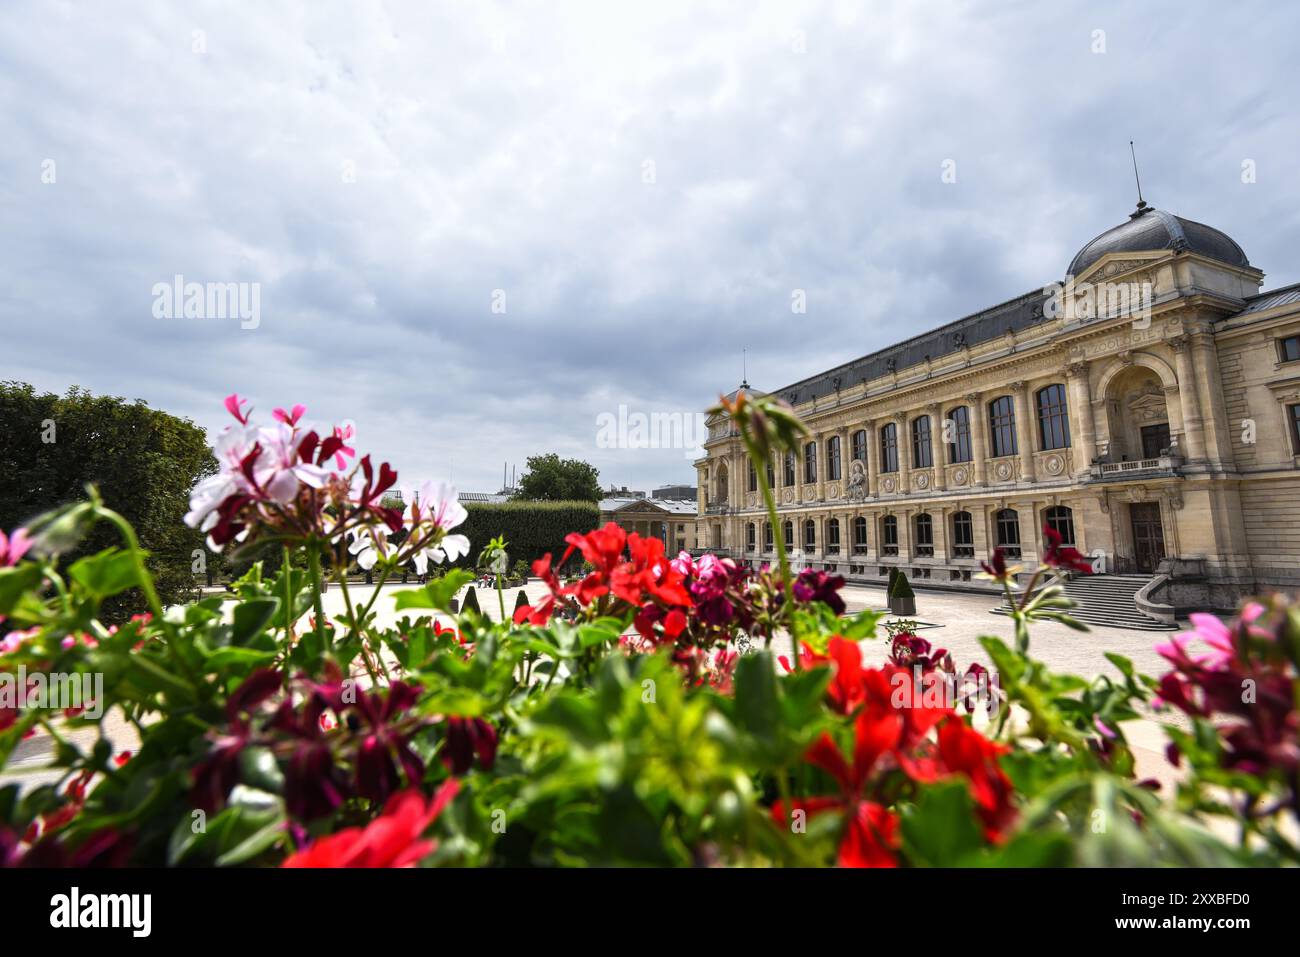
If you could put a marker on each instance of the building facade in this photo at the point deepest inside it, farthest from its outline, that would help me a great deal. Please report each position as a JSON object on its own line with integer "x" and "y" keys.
{"x": 673, "y": 521}
{"x": 1148, "y": 408}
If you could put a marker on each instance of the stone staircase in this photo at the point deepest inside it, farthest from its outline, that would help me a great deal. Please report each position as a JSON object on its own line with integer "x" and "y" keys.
{"x": 1106, "y": 600}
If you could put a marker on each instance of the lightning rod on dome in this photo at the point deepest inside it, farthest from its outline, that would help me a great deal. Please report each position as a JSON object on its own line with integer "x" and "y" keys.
{"x": 1142, "y": 205}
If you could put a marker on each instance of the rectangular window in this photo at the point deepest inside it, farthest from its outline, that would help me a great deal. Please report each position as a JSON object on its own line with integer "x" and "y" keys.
{"x": 859, "y": 534}
{"x": 921, "y": 458}
{"x": 1288, "y": 349}
{"x": 1002, "y": 426}
{"x": 963, "y": 536}
{"x": 860, "y": 445}
{"x": 889, "y": 448}
{"x": 788, "y": 477}
{"x": 1293, "y": 414}
{"x": 1053, "y": 419}
{"x": 959, "y": 449}
{"x": 833, "y": 457}
{"x": 810, "y": 463}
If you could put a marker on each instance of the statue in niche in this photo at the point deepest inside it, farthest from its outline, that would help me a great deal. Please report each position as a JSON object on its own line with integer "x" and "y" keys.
{"x": 856, "y": 490}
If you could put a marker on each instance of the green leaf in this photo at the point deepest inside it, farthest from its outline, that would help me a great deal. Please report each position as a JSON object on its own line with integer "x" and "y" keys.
{"x": 15, "y": 582}
{"x": 251, "y": 616}
{"x": 437, "y": 594}
{"x": 105, "y": 574}
{"x": 942, "y": 830}
{"x": 757, "y": 711}
{"x": 578, "y": 716}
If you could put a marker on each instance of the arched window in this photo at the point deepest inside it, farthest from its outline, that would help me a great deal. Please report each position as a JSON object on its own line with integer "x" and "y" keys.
{"x": 889, "y": 535}
{"x": 810, "y": 535}
{"x": 753, "y": 478}
{"x": 788, "y": 478}
{"x": 921, "y": 456}
{"x": 963, "y": 535}
{"x": 1053, "y": 418}
{"x": 1008, "y": 528}
{"x": 889, "y": 448}
{"x": 749, "y": 536}
{"x": 833, "y": 536}
{"x": 959, "y": 435}
{"x": 1002, "y": 426}
{"x": 924, "y": 530}
{"x": 1060, "y": 519}
{"x": 859, "y": 535}
{"x": 771, "y": 474}
{"x": 860, "y": 444}
{"x": 767, "y": 537}
{"x": 787, "y": 532}
{"x": 810, "y": 463}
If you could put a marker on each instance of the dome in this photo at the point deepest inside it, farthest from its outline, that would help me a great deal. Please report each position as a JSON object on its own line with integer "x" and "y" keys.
{"x": 1150, "y": 229}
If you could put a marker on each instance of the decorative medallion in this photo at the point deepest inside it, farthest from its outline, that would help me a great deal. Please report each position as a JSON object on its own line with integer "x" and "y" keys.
{"x": 1054, "y": 464}
{"x": 789, "y": 495}
{"x": 1003, "y": 470}
{"x": 959, "y": 477}
{"x": 922, "y": 480}
{"x": 887, "y": 485}
{"x": 833, "y": 491}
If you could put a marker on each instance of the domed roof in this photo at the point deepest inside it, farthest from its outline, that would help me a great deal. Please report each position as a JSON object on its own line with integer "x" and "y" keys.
{"x": 1150, "y": 229}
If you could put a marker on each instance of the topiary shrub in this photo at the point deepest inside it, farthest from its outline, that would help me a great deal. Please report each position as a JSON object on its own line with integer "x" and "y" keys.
{"x": 521, "y": 600}
{"x": 470, "y": 602}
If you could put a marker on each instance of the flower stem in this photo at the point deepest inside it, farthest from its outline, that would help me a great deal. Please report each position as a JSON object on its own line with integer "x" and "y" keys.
{"x": 778, "y": 535}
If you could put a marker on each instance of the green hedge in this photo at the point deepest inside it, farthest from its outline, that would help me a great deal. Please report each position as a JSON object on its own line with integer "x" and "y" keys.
{"x": 531, "y": 529}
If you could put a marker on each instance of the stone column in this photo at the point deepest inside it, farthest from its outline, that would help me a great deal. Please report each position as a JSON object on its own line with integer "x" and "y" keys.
{"x": 939, "y": 517}
{"x": 979, "y": 436}
{"x": 938, "y": 451}
{"x": 904, "y": 439}
{"x": 904, "y": 517}
{"x": 1083, "y": 430}
{"x": 873, "y": 460}
{"x": 1209, "y": 386}
{"x": 846, "y": 458}
{"x": 1188, "y": 394}
{"x": 1024, "y": 430}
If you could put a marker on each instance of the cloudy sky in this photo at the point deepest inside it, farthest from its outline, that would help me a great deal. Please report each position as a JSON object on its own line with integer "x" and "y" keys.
{"x": 477, "y": 227}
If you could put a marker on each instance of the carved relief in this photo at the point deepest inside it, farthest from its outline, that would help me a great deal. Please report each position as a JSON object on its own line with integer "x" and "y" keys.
{"x": 1054, "y": 464}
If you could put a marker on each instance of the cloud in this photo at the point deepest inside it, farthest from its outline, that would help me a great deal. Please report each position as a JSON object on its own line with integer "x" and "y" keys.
{"x": 645, "y": 186}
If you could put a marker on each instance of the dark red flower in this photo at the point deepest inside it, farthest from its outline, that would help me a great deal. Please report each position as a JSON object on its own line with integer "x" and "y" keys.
{"x": 467, "y": 737}
{"x": 813, "y": 584}
{"x": 1062, "y": 556}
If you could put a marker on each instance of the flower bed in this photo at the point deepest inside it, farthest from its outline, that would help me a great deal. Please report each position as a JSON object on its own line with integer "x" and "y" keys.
{"x": 635, "y": 715}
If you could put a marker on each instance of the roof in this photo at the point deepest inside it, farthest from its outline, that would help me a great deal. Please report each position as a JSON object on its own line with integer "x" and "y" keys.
{"x": 493, "y": 497}
{"x": 668, "y": 505}
{"x": 1149, "y": 228}
{"x": 1284, "y": 296}
{"x": 983, "y": 326}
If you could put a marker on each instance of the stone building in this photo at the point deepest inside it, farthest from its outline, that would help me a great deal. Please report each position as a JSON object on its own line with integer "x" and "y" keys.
{"x": 670, "y": 520}
{"x": 1147, "y": 407}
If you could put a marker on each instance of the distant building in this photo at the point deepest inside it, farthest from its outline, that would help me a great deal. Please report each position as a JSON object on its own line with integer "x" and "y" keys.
{"x": 615, "y": 491}
{"x": 679, "y": 492}
{"x": 670, "y": 520}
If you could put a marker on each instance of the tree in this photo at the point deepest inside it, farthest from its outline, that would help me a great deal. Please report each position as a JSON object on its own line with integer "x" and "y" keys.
{"x": 145, "y": 462}
{"x": 552, "y": 479}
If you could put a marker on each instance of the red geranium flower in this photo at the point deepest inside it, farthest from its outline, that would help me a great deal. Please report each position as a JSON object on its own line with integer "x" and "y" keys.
{"x": 394, "y": 839}
{"x": 963, "y": 750}
{"x": 1059, "y": 555}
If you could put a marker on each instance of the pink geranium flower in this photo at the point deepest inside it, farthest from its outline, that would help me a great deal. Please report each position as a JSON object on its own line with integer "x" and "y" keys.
{"x": 13, "y": 547}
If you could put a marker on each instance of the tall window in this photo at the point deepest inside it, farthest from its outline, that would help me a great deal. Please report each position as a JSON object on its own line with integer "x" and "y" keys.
{"x": 921, "y": 457}
{"x": 860, "y": 444}
{"x": 768, "y": 544}
{"x": 1293, "y": 416}
{"x": 1008, "y": 528}
{"x": 1060, "y": 520}
{"x": 959, "y": 446}
{"x": 833, "y": 457}
{"x": 1288, "y": 349}
{"x": 859, "y": 534}
{"x": 771, "y": 474}
{"x": 787, "y": 532}
{"x": 963, "y": 535}
{"x": 753, "y": 478}
{"x": 889, "y": 448}
{"x": 788, "y": 478}
{"x": 1002, "y": 426}
{"x": 924, "y": 526}
{"x": 833, "y": 536}
{"x": 810, "y": 535}
{"x": 749, "y": 536}
{"x": 810, "y": 463}
{"x": 1053, "y": 420}
{"x": 889, "y": 535}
